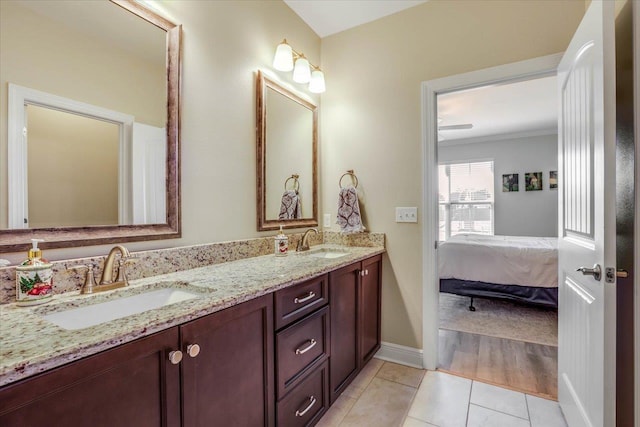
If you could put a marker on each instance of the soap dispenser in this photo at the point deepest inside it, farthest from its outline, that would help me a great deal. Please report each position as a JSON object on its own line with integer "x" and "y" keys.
{"x": 281, "y": 244}
{"x": 34, "y": 278}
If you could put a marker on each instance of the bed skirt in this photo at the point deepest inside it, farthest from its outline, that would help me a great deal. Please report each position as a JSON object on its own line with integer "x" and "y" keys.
{"x": 547, "y": 297}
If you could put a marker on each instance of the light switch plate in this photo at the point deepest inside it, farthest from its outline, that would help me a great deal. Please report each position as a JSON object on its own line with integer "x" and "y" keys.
{"x": 407, "y": 214}
{"x": 326, "y": 223}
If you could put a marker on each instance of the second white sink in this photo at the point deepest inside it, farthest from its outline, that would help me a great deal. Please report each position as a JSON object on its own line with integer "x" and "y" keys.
{"x": 327, "y": 253}
{"x": 95, "y": 314}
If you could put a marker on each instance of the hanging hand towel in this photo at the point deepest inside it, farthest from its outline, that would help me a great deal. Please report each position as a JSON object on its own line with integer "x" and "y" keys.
{"x": 290, "y": 206}
{"x": 349, "y": 211}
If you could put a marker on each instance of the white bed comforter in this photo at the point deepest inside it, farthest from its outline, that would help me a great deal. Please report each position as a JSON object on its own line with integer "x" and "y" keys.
{"x": 507, "y": 260}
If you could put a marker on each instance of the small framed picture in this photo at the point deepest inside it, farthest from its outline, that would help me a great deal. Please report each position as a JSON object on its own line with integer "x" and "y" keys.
{"x": 533, "y": 181}
{"x": 510, "y": 182}
{"x": 553, "y": 179}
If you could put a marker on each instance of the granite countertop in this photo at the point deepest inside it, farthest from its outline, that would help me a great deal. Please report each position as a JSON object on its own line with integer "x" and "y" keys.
{"x": 29, "y": 344}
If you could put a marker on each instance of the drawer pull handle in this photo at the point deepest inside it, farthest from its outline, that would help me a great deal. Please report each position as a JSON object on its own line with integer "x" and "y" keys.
{"x": 312, "y": 401}
{"x": 175, "y": 357}
{"x": 312, "y": 343}
{"x": 304, "y": 299}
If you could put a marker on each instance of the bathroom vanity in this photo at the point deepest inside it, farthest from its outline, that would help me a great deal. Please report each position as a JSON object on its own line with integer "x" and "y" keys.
{"x": 274, "y": 346}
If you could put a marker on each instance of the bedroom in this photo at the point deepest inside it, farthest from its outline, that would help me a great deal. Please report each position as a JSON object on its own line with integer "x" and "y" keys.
{"x": 498, "y": 230}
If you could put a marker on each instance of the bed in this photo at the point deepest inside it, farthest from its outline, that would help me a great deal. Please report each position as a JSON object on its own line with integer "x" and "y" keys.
{"x": 517, "y": 268}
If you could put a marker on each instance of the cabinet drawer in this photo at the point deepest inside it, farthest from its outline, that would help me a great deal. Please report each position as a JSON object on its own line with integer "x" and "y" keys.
{"x": 298, "y": 347}
{"x": 297, "y": 301}
{"x": 307, "y": 402}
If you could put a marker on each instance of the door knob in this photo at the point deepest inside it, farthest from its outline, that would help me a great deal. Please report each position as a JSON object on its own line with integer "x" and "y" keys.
{"x": 596, "y": 271}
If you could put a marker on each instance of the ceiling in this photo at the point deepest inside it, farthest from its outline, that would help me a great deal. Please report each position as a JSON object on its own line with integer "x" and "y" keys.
{"x": 515, "y": 109}
{"x": 327, "y": 17}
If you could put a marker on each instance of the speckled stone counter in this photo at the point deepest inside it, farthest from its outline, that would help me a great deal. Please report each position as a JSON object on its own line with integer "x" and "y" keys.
{"x": 30, "y": 344}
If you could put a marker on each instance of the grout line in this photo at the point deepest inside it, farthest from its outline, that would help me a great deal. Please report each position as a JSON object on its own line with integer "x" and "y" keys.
{"x": 502, "y": 412}
{"x": 466, "y": 421}
{"x": 526, "y": 402}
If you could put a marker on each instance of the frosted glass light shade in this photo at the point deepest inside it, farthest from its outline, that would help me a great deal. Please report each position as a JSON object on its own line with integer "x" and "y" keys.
{"x": 283, "y": 59}
{"x": 316, "y": 85}
{"x": 301, "y": 71}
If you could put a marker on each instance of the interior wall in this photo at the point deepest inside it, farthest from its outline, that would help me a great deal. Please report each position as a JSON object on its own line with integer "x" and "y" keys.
{"x": 521, "y": 213}
{"x": 372, "y": 122}
{"x": 224, "y": 44}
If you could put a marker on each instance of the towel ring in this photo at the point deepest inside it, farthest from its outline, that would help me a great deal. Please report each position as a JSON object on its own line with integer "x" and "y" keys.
{"x": 353, "y": 177}
{"x": 296, "y": 184}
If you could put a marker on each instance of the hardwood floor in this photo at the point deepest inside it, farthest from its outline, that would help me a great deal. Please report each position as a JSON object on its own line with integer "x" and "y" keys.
{"x": 518, "y": 365}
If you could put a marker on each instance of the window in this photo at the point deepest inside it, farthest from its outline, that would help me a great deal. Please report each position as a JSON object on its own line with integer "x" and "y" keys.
{"x": 466, "y": 198}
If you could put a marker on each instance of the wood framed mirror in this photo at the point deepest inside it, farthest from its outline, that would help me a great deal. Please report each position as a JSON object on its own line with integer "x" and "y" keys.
{"x": 122, "y": 58}
{"x": 287, "y": 152}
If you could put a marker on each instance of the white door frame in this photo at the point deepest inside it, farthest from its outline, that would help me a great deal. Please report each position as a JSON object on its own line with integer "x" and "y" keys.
{"x": 524, "y": 70}
{"x": 18, "y": 97}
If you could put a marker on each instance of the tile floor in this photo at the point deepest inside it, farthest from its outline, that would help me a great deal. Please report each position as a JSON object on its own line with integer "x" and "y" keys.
{"x": 386, "y": 394}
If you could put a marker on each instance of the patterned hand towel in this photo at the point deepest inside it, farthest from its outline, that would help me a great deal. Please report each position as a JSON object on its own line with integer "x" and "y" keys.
{"x": 349, "y": 211}
{"x": 290, "y": 207}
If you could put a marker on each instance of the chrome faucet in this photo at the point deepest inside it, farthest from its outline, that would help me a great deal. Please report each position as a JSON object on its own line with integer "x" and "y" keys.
{"x": 303, "y": 245}
{"x": 106, "y": 280}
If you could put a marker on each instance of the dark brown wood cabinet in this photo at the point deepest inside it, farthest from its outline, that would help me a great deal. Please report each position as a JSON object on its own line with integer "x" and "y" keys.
{"x": 230, "y": 380}
{"x": 280, "y": 359}
{"x": 132, "y": 384}
{"x": 355, "y": 292}
{"x": 369, "y": 302}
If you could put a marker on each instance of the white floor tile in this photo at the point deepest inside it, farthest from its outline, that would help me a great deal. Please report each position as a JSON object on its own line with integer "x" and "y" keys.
{"x": 499, "y": 399}
{"x": 442, "y": 399}
{"x": 545, "y": 413}
{"x": 483, "y": 417}
{"x": 412, "y": 422}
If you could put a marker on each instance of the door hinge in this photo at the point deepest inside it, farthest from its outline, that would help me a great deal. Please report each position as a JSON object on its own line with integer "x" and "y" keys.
{"x": 24, "y": 132}
{"x": 435, "y": 245}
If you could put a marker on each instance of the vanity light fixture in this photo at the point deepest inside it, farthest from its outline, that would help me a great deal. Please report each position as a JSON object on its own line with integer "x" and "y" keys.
{"x": 287, "y": 59}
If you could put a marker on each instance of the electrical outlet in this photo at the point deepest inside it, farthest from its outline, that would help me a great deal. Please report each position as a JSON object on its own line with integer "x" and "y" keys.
{"x": 407, "y": 214}
{"x": 326, "y": 223}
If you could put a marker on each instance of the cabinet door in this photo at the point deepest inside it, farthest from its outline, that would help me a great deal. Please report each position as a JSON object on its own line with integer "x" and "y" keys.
{"x": 369, "y": 310}
{"x": 343, "y": 293}
{"x": 230, "y": 382}
{"x": 131, "y": 385}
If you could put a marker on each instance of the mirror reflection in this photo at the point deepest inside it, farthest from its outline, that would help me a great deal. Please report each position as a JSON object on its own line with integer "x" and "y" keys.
{"x": 115, "y": 62}
{"x": 69, "y": 166}
{"x": 287, "y": 143}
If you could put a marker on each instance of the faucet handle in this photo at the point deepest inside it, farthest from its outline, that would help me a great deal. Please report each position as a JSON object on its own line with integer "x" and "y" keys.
{"x": 89, "y": 278}
{"x": 122, "y": 274}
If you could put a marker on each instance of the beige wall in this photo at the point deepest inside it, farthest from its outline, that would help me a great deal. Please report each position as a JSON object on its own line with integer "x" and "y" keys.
{"x": 371, "y": 114}
{"x": 224, "y": 43}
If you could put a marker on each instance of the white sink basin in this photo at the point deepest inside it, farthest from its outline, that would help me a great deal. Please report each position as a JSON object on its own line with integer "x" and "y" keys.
{"x": 95, "y": 314}
{"x": 327, "y": 253}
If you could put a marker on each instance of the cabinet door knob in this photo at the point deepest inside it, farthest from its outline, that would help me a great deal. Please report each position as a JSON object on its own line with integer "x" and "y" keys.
{"x": 366, "y": 272}
{"x": 175, "y": 357}
{"x": 362, "y": 273}
{"x": 193, "y": 350}
{"x": 312, "y": 344}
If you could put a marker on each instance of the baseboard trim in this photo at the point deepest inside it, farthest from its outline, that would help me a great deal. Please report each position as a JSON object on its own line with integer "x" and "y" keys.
{"x": 400, "y": 354}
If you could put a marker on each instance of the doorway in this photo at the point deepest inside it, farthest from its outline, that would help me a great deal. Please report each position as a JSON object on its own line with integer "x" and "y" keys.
{"x": 525, "y": 70}
{"x": 497, "y": 234}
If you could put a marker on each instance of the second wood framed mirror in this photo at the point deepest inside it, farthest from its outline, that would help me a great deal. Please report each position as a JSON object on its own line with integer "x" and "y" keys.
{"x": 287, "y": 157}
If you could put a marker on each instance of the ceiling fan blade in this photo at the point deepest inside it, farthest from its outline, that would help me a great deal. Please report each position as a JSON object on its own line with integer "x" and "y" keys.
{"x": 456, "y": 127}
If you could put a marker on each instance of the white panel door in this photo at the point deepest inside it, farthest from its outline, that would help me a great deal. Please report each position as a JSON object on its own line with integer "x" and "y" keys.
{"x": 586, "y": 144}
